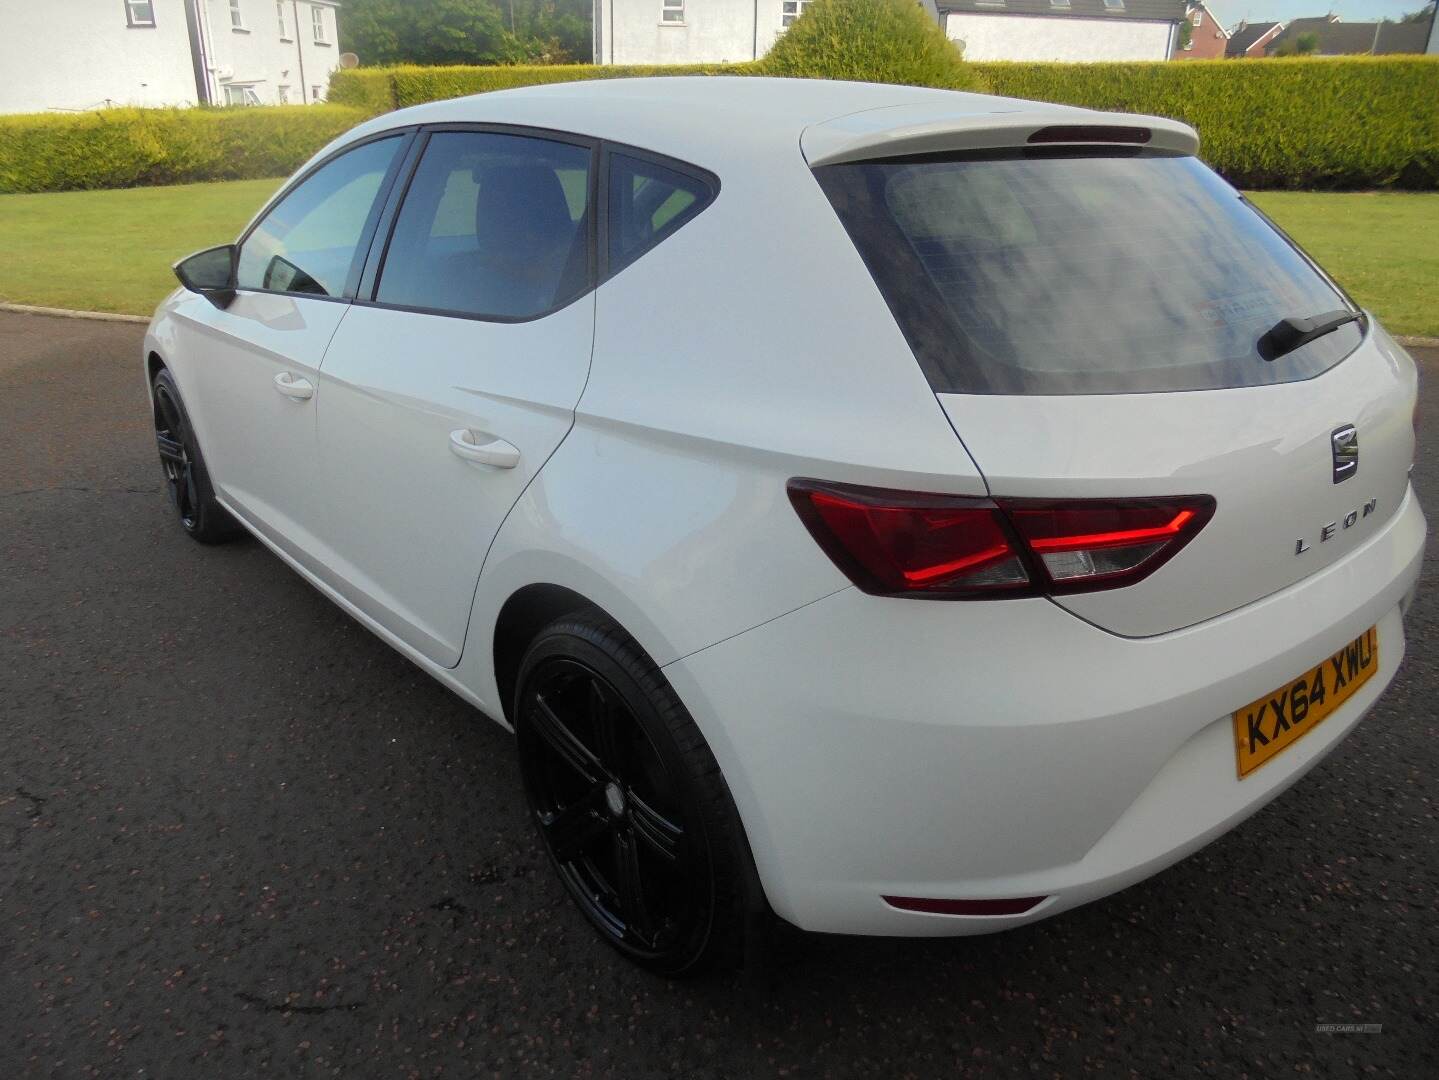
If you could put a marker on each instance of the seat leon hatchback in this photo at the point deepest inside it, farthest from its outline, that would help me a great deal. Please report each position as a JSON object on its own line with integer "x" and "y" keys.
{"x": 894, "y": 510}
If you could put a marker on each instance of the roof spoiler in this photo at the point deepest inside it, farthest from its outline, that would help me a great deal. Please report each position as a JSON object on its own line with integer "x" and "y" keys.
{"x": 905, "y": 130}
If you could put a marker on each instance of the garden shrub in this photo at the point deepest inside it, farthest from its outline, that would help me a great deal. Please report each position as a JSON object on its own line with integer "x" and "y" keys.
{"x": 112, "y": 148}
{"x": 1310, "y": 123}
{"x": 888, "y": 41}
{"x": 379, "y": 89}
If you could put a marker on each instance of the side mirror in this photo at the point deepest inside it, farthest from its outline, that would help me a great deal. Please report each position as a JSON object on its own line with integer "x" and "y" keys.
{"x": 211, "y": 273}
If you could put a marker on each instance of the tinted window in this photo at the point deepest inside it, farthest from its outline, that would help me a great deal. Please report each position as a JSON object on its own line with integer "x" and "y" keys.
{"x": 1069, "y": 275}
{"x": 492, "y": 225}
{"x": 308, "y": 242}
{"x": 648, "y": 202}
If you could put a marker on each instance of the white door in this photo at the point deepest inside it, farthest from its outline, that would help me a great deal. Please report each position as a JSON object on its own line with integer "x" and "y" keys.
{"x": 443, "y": 396}
{"x": 253, "y": 368}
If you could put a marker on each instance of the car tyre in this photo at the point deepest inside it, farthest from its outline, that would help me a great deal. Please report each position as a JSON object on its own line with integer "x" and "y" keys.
{"x": 630, "y": 802}
{"x": 187, "y": 479}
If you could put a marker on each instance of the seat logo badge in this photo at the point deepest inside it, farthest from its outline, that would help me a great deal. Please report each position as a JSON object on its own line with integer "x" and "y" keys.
{"x": 1345, "y": 443}
{"x": 1327, "y": 532}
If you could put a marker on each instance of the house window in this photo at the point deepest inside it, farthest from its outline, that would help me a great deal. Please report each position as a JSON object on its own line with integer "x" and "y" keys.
{"x": 1113, "y": 5}
{"x": 284, "y": 92}
{"x": 1059, "y": 3}
{"x": 672, "y": 11}
{"x": 791, "y": 10}
{"x": 317, "y": 24}
{"x": 237, "y": 20}
{"x": 315, "y": 94}
{"x": 1198, "y": 18}
{"x": 989, "y": 3}
{"x": 140, "y": 13}
{"x": 237, "y": 94}
{"x": 284, "y": 27}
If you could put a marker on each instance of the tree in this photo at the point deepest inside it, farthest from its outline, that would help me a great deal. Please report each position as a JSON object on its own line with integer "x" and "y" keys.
{"x": 1299, "y": 45}
{"x": 428, "y": 32}
{"x": 1186, "y": 33}
{"x": 554, "y": 31}
{"x": 1423, "y": 15}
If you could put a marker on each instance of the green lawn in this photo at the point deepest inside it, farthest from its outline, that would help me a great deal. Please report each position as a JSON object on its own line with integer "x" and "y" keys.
{"x": 1382, "y": 247}
{"x": 112, "y": 250}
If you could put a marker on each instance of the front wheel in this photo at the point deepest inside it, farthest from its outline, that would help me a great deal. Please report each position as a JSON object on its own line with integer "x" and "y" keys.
{"x": 629, "y": 800}
{"x": 186, "y": 479}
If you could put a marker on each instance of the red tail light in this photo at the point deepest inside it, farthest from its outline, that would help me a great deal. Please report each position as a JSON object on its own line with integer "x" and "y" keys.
{"x": 898, "y": 543}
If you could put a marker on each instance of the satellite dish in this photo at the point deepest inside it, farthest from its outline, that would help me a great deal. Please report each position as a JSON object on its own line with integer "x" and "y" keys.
{"x": 349, "y": 60}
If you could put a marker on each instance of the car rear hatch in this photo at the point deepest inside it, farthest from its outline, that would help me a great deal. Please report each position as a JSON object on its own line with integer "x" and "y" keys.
{"x": 1102, "y": 318}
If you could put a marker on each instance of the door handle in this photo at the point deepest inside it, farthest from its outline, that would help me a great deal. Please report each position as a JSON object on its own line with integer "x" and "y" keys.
{"x": 487, "y": 449}
{"x": 293, "y": 387}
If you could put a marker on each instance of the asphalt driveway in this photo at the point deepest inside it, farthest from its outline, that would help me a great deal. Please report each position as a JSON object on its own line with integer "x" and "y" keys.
{"x": 239, "y": 836}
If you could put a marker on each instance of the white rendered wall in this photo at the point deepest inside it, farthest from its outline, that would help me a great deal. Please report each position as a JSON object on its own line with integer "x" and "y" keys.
{"x": 80, "y": 54}
{"x": 714, "y": 31}
{"x": 1049, "y": 37}
{"x": 260, "y": 57}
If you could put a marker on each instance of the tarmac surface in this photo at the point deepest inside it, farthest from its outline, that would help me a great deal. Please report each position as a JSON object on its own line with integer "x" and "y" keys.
{"x": 239, "y": 836}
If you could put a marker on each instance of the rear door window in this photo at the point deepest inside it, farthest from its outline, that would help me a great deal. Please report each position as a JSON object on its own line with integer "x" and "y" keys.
{"x": 1081, "y": 274}
{"x": 494, "y": 226}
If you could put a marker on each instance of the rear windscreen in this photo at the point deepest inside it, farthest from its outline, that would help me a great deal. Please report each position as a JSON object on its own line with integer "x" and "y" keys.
{"x": 1081, "y": 274}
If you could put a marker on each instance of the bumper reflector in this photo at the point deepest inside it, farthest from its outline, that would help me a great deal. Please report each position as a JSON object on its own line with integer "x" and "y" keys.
{"x": 1007, "y": 906}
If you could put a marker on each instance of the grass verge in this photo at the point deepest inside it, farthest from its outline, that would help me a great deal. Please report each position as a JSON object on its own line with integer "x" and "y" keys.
{"x": 112, "y": 250}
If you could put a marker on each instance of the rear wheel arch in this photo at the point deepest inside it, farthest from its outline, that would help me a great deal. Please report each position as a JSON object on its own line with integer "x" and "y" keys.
{"x": 154, "y": 364}
{"x": 521, "y": 619}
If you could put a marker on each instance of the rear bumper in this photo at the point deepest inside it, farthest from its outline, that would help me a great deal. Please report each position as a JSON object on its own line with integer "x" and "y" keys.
{"x": 990, "y": 750}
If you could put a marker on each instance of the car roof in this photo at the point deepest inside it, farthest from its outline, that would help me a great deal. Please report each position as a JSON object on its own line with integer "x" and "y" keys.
{"x": 691, "y": 117}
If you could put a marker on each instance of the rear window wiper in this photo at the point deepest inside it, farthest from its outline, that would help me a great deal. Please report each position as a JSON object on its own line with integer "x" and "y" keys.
{"x": 1289, "y": 334}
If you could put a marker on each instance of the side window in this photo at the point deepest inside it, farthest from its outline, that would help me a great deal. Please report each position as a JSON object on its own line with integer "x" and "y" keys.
{"x": 492, "y": 225}
{"x": 648, "y": 202}
{"x": 308, "y": 242}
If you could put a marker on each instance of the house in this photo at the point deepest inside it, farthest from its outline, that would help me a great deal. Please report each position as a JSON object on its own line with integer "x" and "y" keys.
{"x": 1065, "y": 29}
{"x": 1208, "y": 39}
{"x": 1249, "y": 39}
{"x": 720, "y": 31}
{"x": 86, "y": 54}
{"x": 1337, "y": 38}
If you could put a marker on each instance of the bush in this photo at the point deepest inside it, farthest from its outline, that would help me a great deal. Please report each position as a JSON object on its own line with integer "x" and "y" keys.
{"x": 1325, "y": 123}
{"x": 888, "y": 41}
{"x": 1321, "y": 123}
{"x": 371, "y": 89}
{"x": 379, "y": 89}
{"x": 113, "y": 148}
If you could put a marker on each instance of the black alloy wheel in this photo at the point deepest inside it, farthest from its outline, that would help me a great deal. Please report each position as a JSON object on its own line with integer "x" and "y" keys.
{"x": 642, "y": 832}
{"x": 170, "y": 435}
{"x": 187, "y": 481}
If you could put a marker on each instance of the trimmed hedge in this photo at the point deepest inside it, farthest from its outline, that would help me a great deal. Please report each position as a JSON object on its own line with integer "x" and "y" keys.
{"x": 1325, "y": 123}
{"x": 112, "y": 148}
{"x": 381, "y": 89}
{"x": 1309, "y": 123}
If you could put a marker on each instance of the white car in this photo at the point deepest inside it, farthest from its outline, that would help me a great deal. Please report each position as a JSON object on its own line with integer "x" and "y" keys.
{"x": 902, "y": 511}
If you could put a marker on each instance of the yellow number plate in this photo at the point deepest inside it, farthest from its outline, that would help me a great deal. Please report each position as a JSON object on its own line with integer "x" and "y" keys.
{"x": 1276, "y": 721}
